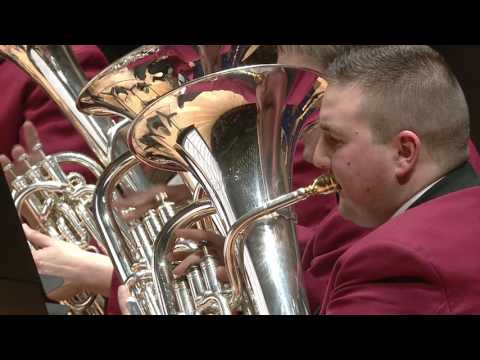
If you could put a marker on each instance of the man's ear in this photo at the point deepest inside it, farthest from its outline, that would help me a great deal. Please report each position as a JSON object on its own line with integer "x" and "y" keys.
{"x": 407, "y": 147}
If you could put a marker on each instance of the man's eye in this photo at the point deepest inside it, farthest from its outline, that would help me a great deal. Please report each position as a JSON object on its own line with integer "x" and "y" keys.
{"x": 332, "y": 141}
{"x": 310, "y": 127}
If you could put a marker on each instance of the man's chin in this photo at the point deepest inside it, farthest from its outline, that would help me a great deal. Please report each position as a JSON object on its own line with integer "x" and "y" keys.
{"x": 348, "y": 213}
{"x": 355, "y": 216}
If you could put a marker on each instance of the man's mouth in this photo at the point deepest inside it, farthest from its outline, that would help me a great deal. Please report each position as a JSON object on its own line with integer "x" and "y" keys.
{"x": 339, "y": 187}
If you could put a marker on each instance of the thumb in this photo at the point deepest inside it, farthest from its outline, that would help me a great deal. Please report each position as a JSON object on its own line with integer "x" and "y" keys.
{"x": 36, "y": 238}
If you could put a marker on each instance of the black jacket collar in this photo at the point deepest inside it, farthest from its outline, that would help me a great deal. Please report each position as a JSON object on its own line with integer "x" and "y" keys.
{"x": 461, "y": 178}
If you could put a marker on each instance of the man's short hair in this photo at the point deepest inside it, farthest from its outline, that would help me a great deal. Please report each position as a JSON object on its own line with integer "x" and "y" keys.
{"x": 408, "y": 87}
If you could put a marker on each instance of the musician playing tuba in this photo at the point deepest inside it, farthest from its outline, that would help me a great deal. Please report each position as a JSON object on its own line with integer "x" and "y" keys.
{"x": 313, "y": 144}
{"x": 394, "y": 182}
{"x": 317, "y": 57}
{"x": 396, "y": 137}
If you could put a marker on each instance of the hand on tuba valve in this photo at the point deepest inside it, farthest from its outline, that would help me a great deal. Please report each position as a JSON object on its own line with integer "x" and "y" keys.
{"x": 82, "y": 271}
{"x": 209, "y": 241}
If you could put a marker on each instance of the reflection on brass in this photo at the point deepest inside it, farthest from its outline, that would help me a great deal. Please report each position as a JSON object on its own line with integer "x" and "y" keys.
{"x": 128, "y": 87}
{"x": 136, "y": 80}
{"x": 235, "y": 131}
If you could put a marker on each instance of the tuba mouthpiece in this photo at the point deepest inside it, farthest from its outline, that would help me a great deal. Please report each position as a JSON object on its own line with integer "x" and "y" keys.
{"x": 325, "y": 184}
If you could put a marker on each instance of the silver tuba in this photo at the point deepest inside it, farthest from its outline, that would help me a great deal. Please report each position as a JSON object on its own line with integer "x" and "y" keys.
{"x": 61, "y": 203}
{"x": 126, "y": 88}
{"x": 235, "y": 131}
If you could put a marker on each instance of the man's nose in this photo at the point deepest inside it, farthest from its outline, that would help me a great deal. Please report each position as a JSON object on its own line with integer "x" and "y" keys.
{"x": 322, "y": 162}
{"x": 314, "y": 155}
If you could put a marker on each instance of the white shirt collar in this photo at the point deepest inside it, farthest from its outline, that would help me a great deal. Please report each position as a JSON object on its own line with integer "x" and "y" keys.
{"x": 410, "y": 202}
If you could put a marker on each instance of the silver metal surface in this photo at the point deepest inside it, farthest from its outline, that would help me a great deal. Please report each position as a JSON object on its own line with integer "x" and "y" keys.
{"x": 126, "y": 88}
{"x": 55, "y": 68}
{"x": 235, "y": 131}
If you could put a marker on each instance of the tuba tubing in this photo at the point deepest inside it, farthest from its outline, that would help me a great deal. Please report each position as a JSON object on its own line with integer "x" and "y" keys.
{"x": 234, "y": 246}
{"x": 56, "y": 70}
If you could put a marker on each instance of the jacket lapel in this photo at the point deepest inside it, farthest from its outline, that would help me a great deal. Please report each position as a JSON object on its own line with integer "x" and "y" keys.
{"x": 461, "y": 178}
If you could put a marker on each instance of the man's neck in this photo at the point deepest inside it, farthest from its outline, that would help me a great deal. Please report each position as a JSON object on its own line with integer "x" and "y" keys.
{"x": 405, "y": 194}
{"x": 423, "y": 178}
{"x": 460, "y": 177}
{"x": 414, "y": 198}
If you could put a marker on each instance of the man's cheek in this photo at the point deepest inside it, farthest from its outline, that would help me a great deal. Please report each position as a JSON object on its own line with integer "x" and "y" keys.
{"x": 347, "y": 175}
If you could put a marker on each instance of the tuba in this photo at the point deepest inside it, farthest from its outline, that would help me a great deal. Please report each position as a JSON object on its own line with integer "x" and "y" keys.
{"x": 60, "y": 203}
{"x": 235, "y": 132}
{"x": 126, "y": 88}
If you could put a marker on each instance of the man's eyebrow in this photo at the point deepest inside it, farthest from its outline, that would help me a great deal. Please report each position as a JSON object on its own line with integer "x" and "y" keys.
{"x": 325, "y": 127}
{"x": 329, "y": 128}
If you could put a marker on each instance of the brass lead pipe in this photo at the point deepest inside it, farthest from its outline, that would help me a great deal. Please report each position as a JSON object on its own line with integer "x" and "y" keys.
{"x": 324, "y": 185}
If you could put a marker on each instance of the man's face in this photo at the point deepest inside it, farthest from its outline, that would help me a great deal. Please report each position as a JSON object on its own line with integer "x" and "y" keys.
{"x": 341, "y": 142}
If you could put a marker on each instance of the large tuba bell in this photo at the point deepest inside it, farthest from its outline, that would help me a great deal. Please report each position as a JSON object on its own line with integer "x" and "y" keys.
{"x": 60, "y": 203}
{"x": 235, "y": 131}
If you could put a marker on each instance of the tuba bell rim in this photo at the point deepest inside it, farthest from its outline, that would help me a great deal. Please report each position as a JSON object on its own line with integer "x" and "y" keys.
{"x": 97, "y": 109}
{"x": 172, "y": 163}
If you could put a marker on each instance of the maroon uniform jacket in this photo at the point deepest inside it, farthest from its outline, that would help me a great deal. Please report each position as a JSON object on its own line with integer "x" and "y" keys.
{"x": 325, "y": 241}
{"x": 425, "y": 261}
{"x": 324, "y": 244}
